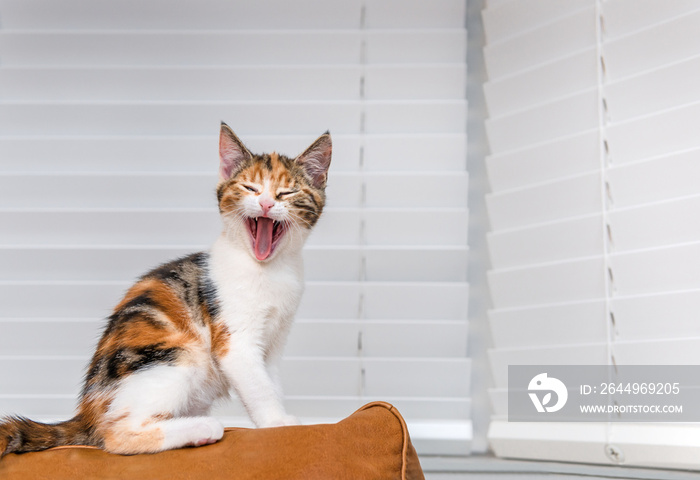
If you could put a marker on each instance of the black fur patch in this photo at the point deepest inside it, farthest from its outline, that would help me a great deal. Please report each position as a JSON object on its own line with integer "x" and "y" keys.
{"x": 207, "y": 293}
{"x": 131, "y": 359}
{"x": 172, "y": 272}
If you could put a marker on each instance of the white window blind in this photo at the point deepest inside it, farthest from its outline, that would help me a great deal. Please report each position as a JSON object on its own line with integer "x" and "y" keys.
{"x": 595, "y": 174}
{"x": 108, "y": 140}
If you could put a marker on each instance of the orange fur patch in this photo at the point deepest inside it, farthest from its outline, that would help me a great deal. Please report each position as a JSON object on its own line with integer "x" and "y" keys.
{"x": 229, "y": 199}
{"x": 169, "y": 305}
{"x": 94, "y": 407}
{"x": 124, "y": 440}
{"x": 280, "y": 174}
{"x": 220, "y": 336}
{"x": 138, "y": 334}
{"x": 157, "y": 418}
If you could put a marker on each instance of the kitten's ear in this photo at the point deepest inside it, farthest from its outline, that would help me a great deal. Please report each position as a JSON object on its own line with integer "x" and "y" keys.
{"x": 232, "y": 152}
{"x": 316, "y": 159}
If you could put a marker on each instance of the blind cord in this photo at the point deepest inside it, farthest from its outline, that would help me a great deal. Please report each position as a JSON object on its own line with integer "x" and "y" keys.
{"x": 606, "y": 203}
{"x": 362, "y": 314}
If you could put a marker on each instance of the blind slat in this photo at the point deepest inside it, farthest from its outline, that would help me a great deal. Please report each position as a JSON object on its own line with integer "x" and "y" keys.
{"x": 624, "y": 17}
{"x": 421, "y": 338}
{"x": 544, "y": 162}
{"x": 653, "y": 135}
{"x": 524, "y": 327}
{"x": 636, "y": 318}
{"x": 565, "y": 281}
{"x": 269, "y": 83}
{"x": 542, "y": 83}
{"x": 220, "y": 14}
{"x": 549, "y": 242}
{"x": 562, "y": 198}
{"x": 633, "y": 97}
{"x": 642, "y": 51}
{"x": 152, "y": 118}
{"x": 673, "y": 175}
{"x": 544, "y": 122}
{"x": 175, "y": 84}
{"x": 557, "y": 39}
{"x": 131, "y": 48}
{"x": 203, "y": 14}
{"x": 69, "y": 48}
{"x": 191, "y": 153}
{"x": 525, "y": 15}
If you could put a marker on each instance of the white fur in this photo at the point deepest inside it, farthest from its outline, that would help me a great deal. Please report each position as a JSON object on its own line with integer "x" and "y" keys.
{"x": 258, "y": 301}
{"x": 185, "y": 392}
{"x": 195, "y": 431}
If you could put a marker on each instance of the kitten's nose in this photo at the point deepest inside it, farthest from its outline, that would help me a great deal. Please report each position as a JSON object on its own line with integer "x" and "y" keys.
{"x": 266, "y": 204}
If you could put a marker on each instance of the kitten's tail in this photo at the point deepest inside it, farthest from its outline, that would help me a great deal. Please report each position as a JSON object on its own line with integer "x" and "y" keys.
{"x": 18, "y": 434}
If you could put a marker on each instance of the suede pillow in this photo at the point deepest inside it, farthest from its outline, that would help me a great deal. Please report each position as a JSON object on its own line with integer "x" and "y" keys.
{"x": 372, "y": 443}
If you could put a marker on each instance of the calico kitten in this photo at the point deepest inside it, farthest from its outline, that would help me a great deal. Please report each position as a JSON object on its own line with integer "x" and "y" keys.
{"x": 192, "y": 330}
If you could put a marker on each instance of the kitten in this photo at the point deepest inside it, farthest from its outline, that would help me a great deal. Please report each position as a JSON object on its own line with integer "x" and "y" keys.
{"x": 192, "y": 330}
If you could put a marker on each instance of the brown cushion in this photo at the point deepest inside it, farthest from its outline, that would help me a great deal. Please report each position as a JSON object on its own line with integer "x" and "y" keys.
{"x": 372, "y": 443}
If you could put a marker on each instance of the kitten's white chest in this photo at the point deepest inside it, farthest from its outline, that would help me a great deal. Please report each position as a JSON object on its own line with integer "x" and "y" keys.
{"x": 257, "y": 301}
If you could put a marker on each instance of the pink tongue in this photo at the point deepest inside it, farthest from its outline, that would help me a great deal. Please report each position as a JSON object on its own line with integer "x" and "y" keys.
{"x": 263, "y": 238}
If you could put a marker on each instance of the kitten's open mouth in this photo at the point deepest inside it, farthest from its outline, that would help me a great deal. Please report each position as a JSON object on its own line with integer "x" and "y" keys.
{"x": 265, "y": 233}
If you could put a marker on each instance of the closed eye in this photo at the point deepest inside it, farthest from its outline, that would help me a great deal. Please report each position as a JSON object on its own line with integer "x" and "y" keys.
{"x": 250, "y": 188}
{"x": 286, "y": 193}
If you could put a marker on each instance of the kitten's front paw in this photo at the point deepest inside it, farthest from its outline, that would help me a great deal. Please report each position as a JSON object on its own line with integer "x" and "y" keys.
{"x": 207, "y": 431}
{"x": 285, "y": 421}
